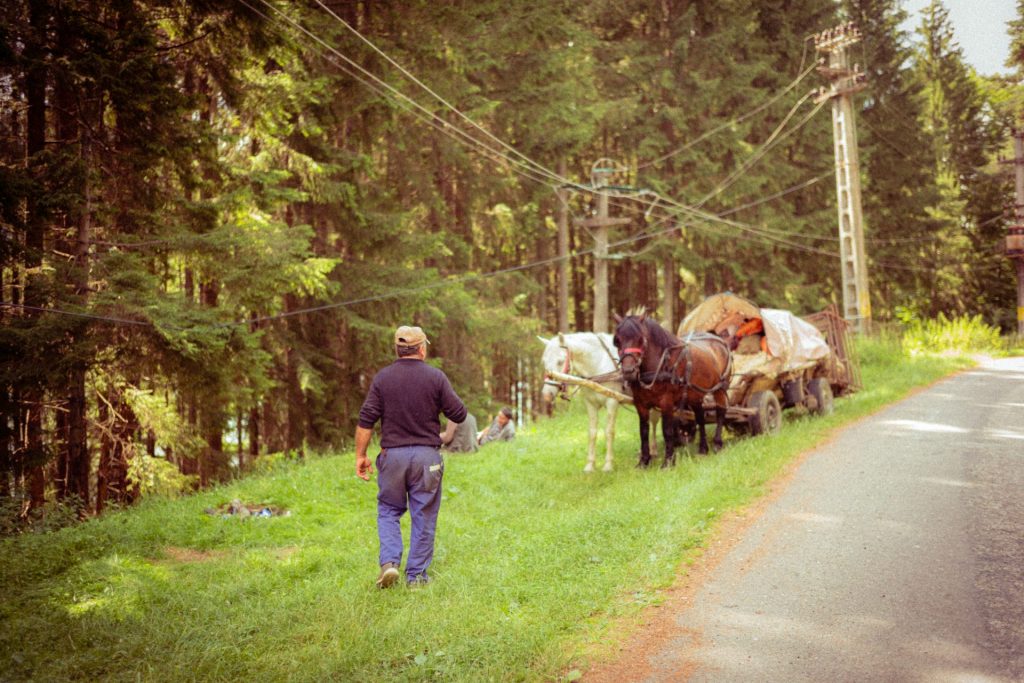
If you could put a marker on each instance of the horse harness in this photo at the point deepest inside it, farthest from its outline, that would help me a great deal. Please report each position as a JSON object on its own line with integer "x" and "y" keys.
{"x": 671, "y": 373}
{"x": 566, "y": 367}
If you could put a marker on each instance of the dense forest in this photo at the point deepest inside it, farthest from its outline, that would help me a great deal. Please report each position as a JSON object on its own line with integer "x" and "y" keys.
{"x": 214, "y": 213}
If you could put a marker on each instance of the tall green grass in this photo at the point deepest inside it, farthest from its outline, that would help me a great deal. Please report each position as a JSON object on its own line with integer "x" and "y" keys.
{"x": 535, "y": 562}
{"x": 960, "y": 334}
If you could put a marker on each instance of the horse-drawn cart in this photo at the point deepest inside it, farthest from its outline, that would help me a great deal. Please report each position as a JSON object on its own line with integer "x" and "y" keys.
{"x": 780, "y": 361}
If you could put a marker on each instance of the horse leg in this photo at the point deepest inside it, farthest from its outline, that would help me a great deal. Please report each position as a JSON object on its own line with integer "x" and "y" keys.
{"x": 645, "y": 452}
{"x": 654, "y": 433}
{"x": 698, "y": 414}
{"x": 668, "y": 433}
{"x": 611, "y": 409}
{"x": 721, "y": 405}
{"x": 592, "y": 436}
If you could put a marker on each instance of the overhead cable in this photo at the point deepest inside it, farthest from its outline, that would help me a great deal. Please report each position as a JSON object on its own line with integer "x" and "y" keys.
{"x": 439, "y": 98}
{"x": 776, "y": 137}
{"x": 731, "y": 122}
{"x": 404, "y": 100}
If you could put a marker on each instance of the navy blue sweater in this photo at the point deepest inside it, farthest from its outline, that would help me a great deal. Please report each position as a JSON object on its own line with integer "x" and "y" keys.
{"x": 406, "y": 397}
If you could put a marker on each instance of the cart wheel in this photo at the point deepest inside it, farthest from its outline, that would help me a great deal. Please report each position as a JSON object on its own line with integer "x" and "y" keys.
{"x": 768, "y": 419}
{"x": 820, "y": 389}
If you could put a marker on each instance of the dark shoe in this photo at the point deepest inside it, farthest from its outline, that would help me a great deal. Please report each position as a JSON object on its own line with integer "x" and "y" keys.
{"x": 388, "y": 575}
{"x": 418, "y": 581}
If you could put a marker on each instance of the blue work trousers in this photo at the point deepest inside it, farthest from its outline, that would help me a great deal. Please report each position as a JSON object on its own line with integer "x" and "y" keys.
{"x": 409, "y": 477}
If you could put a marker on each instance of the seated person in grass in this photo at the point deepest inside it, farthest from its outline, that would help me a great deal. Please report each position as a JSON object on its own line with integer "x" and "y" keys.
{"x": 460, "y": 437}
{"x": 502, "y": 429}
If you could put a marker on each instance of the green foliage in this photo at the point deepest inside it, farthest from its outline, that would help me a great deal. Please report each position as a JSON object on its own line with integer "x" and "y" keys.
{"x": 157, "y": 477}
{"x": 157, "y": 415}
{"x": 272, "y": 463}
{"x": 959, "y": 335}
{"x": 51, "y": 517}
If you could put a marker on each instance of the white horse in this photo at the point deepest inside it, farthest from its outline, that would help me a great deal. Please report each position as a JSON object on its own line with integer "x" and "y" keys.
{"x": 585, "y": 354}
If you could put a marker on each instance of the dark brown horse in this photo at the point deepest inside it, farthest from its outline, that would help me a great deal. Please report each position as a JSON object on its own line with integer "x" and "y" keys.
{"x": 669, "y": 373}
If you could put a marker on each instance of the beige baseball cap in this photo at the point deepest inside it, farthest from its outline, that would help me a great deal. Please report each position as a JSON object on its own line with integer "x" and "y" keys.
{"x": 410, "y": 336}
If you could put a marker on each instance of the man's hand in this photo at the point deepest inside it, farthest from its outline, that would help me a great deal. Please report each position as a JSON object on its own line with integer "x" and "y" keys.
{"x": 364, "y": 468}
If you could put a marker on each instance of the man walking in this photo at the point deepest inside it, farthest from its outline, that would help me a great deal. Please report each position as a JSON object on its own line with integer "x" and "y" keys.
{"x": 407, "y": 397}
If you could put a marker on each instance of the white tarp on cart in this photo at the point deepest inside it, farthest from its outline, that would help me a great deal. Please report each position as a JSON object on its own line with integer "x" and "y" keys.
{"x": 791, "y": 339}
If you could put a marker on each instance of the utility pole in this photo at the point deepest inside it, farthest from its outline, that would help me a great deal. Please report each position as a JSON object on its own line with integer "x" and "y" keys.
{"x": 1015, "y": 237}
{"x": 563, "y": 254}
{"x": 844, "y": 81}
{"x": 602, "y": 171}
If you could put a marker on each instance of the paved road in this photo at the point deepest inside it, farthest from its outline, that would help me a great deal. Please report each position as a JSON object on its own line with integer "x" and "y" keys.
{"x": 895, "y": 554}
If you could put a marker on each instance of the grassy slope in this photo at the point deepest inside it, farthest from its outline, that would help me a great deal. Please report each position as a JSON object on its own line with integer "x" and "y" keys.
{"x": 534, "y": 559}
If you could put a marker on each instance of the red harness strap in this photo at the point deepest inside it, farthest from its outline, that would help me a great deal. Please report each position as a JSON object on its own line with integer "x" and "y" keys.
{"x": 633, "y": 350}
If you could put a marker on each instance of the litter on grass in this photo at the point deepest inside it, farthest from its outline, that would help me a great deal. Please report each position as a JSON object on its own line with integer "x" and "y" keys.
{"x": 237, "y": 508}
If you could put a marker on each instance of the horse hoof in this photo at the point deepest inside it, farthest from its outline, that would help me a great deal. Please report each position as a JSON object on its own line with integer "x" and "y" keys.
{"x": 588, "y": 469}
{"x": 606, "y": 468}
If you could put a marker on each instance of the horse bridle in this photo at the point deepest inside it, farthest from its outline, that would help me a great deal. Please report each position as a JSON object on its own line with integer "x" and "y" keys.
{"x": 638, "y": 353}
{"x": 563, "y": 391}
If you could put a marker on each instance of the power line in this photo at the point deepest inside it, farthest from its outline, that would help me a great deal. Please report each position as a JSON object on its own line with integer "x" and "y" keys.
{"x": 773, "y": 139}
{"x": 75, "y": 314}
{"x": 439, "y": 98}
{"x": 390, "y": 92}
{"x": 539, "y": 166}
{"x": 732, "y": 121}
{"x": 529, "y": 172}
{"x": 431, "y": 286}
{"x": 782, "y": 193}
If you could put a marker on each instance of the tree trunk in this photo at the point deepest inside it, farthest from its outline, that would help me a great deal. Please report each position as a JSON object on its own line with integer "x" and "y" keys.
{"x": 189, "y": 286}
{"x": 36, "y": 454}
{"x": 7, "y": 417}
{"x": 59, "y": 474}
{"x": 669, "y": 294}
{"x": 563, "y": 252}
{"x": 103, "y": 414}
{"x": 579, "y": 291}
{"x": 79, "y": 459}
{"x": 187, "y": 463}
{"x": 239, "y": 448}
{"x": 116, "y": 448}
{"x": 254, "y": 433}
{"x": 35, "y": 227}
{"x": 545, "y": 278}
{"x": 295, "y": 430}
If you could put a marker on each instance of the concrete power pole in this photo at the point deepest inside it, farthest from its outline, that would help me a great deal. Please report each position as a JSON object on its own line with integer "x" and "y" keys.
{"x": 844, "y": 82}
{"x": 1015, "y": 238}
{"x": 598, "y": 226}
